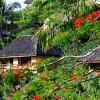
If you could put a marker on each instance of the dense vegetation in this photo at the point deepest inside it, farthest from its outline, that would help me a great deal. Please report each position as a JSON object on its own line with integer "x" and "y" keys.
{"x": 74, "y": 26}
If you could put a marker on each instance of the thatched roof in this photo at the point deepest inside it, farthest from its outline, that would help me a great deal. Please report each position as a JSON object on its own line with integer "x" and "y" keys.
{"x": 91, "y": 57}
{"x": 27, "y": 46}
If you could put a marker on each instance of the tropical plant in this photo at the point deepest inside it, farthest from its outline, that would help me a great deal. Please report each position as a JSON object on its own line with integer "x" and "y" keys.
{"x": 60, "y": 20}
{"x": 6, "y": 22}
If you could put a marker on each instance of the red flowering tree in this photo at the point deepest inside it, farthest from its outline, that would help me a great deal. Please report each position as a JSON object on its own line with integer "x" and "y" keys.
{"x": 56, "y": 97}
{"x": 92, "y": 16}
{"x": 78, "y": 21}
{"x": 35, "y": 98}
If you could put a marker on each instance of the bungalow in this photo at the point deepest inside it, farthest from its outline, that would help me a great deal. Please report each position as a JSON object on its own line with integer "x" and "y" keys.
{"x": 23, "y": 50}
{"x": 92, "y": 59}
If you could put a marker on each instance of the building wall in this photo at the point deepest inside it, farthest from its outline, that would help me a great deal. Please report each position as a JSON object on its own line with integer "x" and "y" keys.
{"x": 15, "y": 61}
{"x": 35, "y": 61}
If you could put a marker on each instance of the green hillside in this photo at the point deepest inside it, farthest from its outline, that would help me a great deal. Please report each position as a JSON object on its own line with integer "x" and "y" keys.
{"x": 71, "y": 25}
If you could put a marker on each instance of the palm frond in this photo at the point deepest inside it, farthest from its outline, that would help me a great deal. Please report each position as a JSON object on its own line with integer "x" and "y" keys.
{"x": 12, "y": 6}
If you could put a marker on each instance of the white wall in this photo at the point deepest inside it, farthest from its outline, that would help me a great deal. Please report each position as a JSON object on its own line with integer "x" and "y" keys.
{"x": 15, "y": 61}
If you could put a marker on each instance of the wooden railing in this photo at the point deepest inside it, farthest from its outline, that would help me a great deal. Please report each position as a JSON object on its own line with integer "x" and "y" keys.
{"x": 4, "y": 67}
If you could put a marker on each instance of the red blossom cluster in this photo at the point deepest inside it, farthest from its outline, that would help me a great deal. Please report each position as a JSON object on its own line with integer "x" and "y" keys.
{"x": 52, "y": 82}
{"x": 92, "y": 16}
{"x": 18, "y": 74}
{"x": 72, "y": 73}
{"x": 56, "y": 97}
{"x": 35, "y": 98}
{"x": 74, "y": 77}
{"x": 42, "y": 76}
{"x": 78, "y": 21}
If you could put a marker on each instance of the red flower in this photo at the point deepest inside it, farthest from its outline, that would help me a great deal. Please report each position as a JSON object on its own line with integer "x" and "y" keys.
{"x": 52, "y": 82}
{"x": 74, "y": 78}
{"x": 56, "y": 97}
{"x": 92, "y": 15}
{"x": 95, "y": 14}
{"x": 35, "y": 98}
{"x": 16, "y": 73}
{"x": 72, "y": 73}
{"x": 42, "y": 77}
{"x": 88, "y": 18}
{"x": 78, "y": 22}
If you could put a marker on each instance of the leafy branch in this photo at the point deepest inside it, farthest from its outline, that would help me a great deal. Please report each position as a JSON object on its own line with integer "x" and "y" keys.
{"x": 63, "y": 82}
{"x": 66, "y": 81}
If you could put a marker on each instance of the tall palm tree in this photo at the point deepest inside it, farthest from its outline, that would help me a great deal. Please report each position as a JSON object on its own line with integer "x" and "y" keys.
{"x": 6, "y": 10}
{"x": 6, "y": 22}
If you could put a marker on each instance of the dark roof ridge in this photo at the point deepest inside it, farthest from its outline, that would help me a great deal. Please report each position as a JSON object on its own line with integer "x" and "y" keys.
{"x": 19, "y": 37}
{"x": 27, "y": 45}
{"x": 93, "y": 54}
{"x": 92, "y": 51}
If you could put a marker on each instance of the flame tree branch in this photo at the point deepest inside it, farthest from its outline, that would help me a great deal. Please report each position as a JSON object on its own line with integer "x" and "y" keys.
{"x": 66, "y": 81}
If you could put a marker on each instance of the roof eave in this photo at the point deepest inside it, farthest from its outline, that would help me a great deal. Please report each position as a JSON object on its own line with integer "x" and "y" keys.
{"x": 17, "y": 56}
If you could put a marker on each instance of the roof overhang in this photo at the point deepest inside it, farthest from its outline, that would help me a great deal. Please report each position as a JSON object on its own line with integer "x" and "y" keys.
{"x": 88, "y": 62}
{"x": 17, "y": 56}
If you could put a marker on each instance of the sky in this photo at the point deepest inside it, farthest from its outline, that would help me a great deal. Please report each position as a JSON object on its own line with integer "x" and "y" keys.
{"x": 20, "y": 1}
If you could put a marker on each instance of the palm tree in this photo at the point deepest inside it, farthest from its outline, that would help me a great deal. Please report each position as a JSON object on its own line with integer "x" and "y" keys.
{"x": 6, "y": 10}
{"x": 6, "y": 22}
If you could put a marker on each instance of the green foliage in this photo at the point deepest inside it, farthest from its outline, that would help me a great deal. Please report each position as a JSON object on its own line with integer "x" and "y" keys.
{"x": 96, "y": 28}
{"x": 55, "y": 27}
{"x": 28, "y": 75}
{"x": 28, "y": 31}
{"x": 8, "y": 82}
{"x": 51, "y": 80}
{"x": 56, "y": 11}
{"x": 7, "y": 27}
{"x": 9, "y": 77}
{"x": 42, "y": 65}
